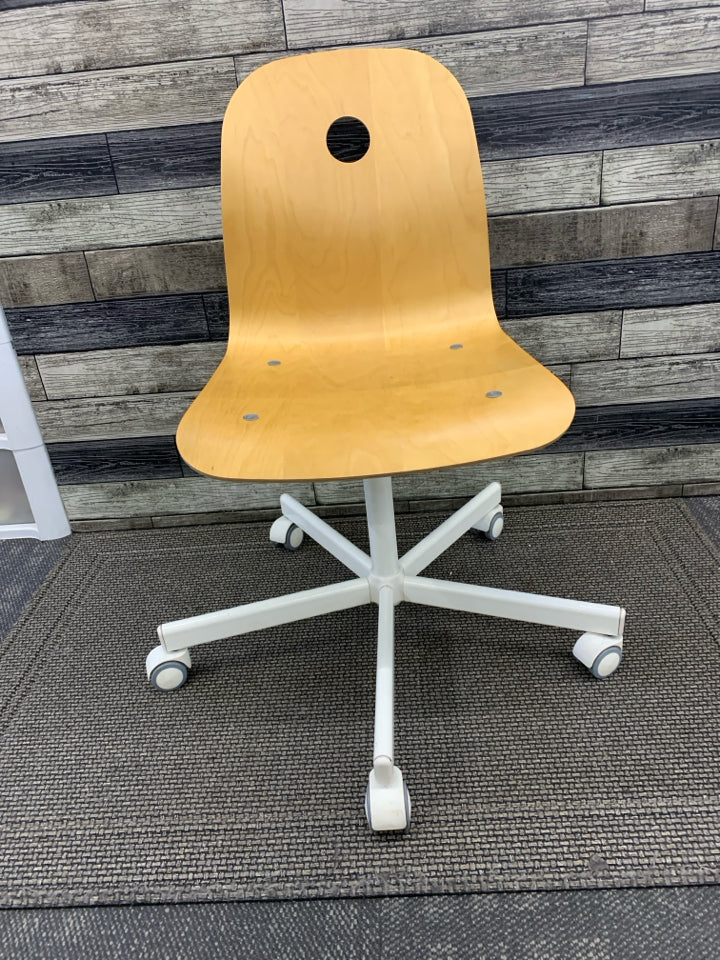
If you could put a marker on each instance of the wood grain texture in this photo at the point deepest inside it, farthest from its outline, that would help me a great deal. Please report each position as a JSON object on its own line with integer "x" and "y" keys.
{"x": 48, "y": 279}
{"x": 506, "y": 61}
{"x": 161, "y": 268}
{"x": 582, "y": 118}
{"x": 108, "y": 324}
{"x": 517, "y": 475}
{"x": 91, "y": 222}
{"x": 684, "y": 464}
{"x": 614, "y": 284}
{"x": 183, "y": 156}
{"x": 134, "y": 370}
{"x": 106, "y": 418}
{"x": 333, "y": 22}
{"x": 542, "y": 183}
{"x": 642, "y": 425}
{"x": 653, "y": 5}
{"x": 15, "y": 4}
{"x": 142, "y": 498}
{"x": 130, "y": 98}
{"x": 660, "y": 331}
{"x": 409, "y": 282}
{"x": 628, "y": 230}
{"x": 667, "y": 170}
{"x": 143, "y": 458}
{"x": 669, "y": 44}
{"x": 31, "y": 375}
{"x": 56, "y": 39}
{"x": 58, "y": 167}
{"x": 646, "y": 379}
{"x": 569, "y": 337}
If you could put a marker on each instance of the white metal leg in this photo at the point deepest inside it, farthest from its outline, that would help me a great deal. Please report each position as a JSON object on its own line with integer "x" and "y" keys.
{"x": 383, "y": 753}
{"x": 444, "y": 536}
{"x": 180, "y": 634}
{"x": 335, "y": 543}
{"x": 381, "y": 526}
{"x": 528, "y": 607}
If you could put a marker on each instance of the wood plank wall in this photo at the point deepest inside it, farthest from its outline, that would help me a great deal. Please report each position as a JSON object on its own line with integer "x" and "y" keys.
{"x": 599, "y": 129}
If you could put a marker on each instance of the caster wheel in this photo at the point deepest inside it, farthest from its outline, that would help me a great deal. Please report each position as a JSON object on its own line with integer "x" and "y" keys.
{"x": 167, "y": 671}
{"x": 388, "y": 807}
{"x": 601, "y": 655}
{"x": 286, "y": 534}
{"x": 491, "y": 525}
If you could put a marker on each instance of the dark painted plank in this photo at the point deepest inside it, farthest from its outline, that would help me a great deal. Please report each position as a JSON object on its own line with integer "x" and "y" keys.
{"x": 136, "y": 458}
{"x": 580, "y": 119}
{"x": 108, "y": 324}
{"x": 642, "y": 425}
{"x": 55, "y": 168}
{"x": 608, "y": 284}
{"x": 185, "y": 156}
{"x": 216, "y": 306}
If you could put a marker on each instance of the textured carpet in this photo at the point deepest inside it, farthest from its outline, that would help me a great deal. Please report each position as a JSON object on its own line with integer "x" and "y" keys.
{"x": 707, "y": 511}
{"x": 248, "y": 783}
{"x": 24, "y": 564}
{"x": 672, "y": 923}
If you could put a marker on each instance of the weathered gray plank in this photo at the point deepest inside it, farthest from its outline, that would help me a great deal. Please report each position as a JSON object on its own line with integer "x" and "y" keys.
{"x": 653, "y": 5}
{"x": 30, "y": 372}
{"x": 663, "y": 331}
{"x": 505, "y": 61}
{"x": 497, "y": 61}
{"x": 162, "y": 268}
{"x": 661, "y": 172}
{"x": 135, "y": 370}
{"x": 542, "y": 183}
{"x": 684, "y": 464}
{"x": 333, "y": 22}
{"x": 532, "y": 472}
{"x": 669, "y": 44}
{"x": 37, "y": 281}
{"x": 113, "y": 33}
{"x": 569, "y": 337}
{"x": 138, "y": 498}
{"x": 641, "y": 381}
{"x": 107, "y": 418}
{"x": 131, "y": 218}
{"x": 605, "y": 233}
{"x": 196, "y": 91}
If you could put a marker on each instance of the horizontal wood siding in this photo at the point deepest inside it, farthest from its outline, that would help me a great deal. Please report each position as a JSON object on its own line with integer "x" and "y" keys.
{"x": 666, "y": 170}
{"x": 40, "y": 280}
{"x": 659, "y": 331}
{"x": 333, "y": 22}
{"x": 598, "y": 125}
{"x": 124, "y": 99}
{"x": 55, "y": 39}
{"x": 653, "y": 45}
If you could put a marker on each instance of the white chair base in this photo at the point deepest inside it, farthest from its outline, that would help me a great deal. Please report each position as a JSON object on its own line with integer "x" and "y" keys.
{"x": 386, "y": 579}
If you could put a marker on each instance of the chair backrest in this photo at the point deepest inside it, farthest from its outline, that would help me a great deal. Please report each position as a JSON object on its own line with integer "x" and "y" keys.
{"x": 315, "y": 246}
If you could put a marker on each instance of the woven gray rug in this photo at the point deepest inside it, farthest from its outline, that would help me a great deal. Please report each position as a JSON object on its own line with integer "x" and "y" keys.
{"x": 248, "y": 783}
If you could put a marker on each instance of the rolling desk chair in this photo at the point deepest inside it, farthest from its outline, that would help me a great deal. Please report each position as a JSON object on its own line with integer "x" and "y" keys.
{"x": 364, "y": 343}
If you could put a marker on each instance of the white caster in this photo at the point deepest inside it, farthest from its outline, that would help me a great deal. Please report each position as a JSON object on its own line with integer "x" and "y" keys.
{"x": 286, "y": 533}
{"x": 387, "y": 805}
{"x": 167, "y": 671}
{"x": 491, "y": 525}
{"x": 601, "y": 655}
